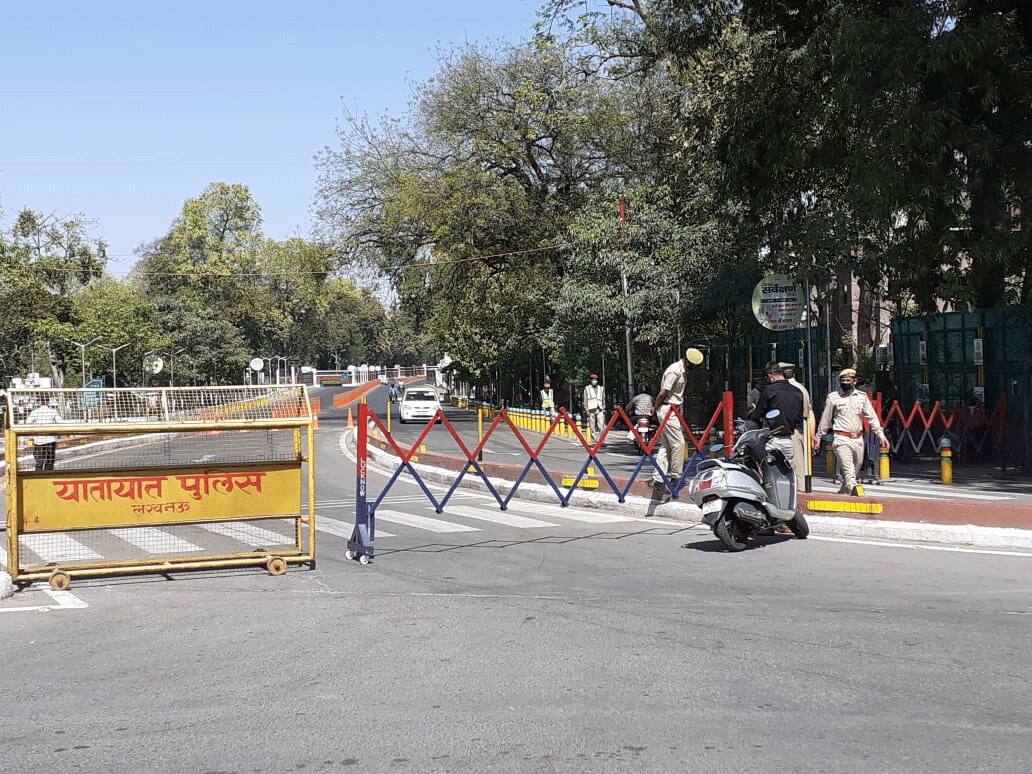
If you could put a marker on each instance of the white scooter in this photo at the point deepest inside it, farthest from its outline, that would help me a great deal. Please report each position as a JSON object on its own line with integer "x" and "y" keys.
{"x": 753, "y": 492}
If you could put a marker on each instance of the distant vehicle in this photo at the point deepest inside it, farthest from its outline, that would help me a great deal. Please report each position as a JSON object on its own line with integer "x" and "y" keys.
{"x": 418, "y": 403}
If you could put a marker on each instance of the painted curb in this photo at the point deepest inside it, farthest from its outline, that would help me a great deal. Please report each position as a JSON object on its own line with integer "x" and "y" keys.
{"x": 967, "y": 535}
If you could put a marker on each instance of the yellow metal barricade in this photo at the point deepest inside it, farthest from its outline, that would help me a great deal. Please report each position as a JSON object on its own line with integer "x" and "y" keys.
{"x": 167, "y": 479}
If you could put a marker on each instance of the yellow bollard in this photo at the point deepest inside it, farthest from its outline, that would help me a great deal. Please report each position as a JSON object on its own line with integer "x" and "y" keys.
{"x": 946, "y": 460}
{"x": 884, "y": 472}
{"x": 389, "y": 412}
{"x": 829, "y": 458}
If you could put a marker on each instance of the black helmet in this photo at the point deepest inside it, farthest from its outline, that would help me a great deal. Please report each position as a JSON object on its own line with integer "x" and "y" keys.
{"x": 643, "y": 387}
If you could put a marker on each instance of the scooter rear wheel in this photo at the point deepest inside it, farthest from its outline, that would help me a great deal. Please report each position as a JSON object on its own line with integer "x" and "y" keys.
{"x": 730, "y": 534}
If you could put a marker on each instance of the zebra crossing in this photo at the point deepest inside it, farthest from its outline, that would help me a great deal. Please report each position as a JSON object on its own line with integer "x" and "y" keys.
{"x": 407, "y": 517}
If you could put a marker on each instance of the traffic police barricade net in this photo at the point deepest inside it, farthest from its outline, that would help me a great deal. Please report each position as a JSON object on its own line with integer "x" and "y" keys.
{"x": 361, "y": 544}
{"x": 111, "y": 482}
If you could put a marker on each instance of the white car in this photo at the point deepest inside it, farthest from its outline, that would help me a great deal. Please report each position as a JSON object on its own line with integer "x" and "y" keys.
{"x": 418, "y": 403}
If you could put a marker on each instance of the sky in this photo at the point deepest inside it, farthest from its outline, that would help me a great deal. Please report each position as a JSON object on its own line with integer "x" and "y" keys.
{"x": 122, "y": 110}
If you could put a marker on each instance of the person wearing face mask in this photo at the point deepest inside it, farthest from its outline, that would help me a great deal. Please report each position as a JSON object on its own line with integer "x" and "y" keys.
{"x": 594, "y": 399}
{"x": 844, "y": 412}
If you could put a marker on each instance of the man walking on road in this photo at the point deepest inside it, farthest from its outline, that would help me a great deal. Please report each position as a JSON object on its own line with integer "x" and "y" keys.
{"x": 594, "y": 399}
{"x": 801, "y": 461}
{"x": 670, "y": 459}
{"x": 548, "y": 399}
{"x": 44, "y": 447}
{"x": 844, "y": 413}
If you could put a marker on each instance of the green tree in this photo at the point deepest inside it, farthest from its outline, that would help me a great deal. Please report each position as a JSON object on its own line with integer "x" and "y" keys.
{"x": 44, "y": 261}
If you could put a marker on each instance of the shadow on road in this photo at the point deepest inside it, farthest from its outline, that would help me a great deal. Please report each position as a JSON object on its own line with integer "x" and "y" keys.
{"x": 715, "y": 546}
{"x": 437, "y": 548}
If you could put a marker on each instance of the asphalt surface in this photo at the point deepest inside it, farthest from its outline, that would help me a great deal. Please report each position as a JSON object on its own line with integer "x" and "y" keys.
{"x": 624, "y": 646}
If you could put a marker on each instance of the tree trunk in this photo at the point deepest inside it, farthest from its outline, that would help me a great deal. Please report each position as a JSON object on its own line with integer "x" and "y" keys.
{"x": 56, "y": 368}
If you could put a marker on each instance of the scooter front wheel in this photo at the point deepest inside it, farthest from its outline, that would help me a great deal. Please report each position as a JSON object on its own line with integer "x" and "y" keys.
{"x": 799, "y": 526}
{"x": 730, "y": 534}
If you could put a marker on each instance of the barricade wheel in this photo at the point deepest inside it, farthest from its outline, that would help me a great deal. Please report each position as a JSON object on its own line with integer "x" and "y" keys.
{"x": 349, "y": 554}
{"x": 363, "y": 559}
{"x": 276, "y": 566}
{"x": 59, "y": 581}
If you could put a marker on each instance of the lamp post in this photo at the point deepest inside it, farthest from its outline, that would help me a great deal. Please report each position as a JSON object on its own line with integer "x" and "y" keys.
{"x": 82, "y": 352}
{"x": 279, "y": 358}
{"x": 114, "y": 364}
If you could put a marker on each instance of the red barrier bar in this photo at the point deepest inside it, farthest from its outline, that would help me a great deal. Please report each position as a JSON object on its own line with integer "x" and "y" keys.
{"x": 729, "y": 422}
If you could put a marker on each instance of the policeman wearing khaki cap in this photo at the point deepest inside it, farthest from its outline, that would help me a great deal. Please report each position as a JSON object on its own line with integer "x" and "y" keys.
{"x": 844, "y": 412}
{"x": 670, "y": 459}
{"x": 801, "y": 461}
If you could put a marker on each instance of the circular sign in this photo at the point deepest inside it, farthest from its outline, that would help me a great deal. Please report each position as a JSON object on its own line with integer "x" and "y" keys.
{"x": 153, "y": 364}
{"x": 257, "y": 364}
{"x": 778, "y": 302}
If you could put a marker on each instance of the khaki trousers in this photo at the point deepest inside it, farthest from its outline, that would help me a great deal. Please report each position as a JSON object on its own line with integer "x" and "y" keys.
{"x": 799, "y": 459}
{"x": 597, "y": 423}
{"x": 670, "y": 458}
{"x": 850, "y": 454}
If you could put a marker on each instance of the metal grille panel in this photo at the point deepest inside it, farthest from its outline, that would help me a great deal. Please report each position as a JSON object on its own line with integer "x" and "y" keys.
{"x": 145, "y": 406}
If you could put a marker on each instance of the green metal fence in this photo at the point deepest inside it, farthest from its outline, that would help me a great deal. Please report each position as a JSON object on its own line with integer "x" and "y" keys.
{"x": 937, "y": 358}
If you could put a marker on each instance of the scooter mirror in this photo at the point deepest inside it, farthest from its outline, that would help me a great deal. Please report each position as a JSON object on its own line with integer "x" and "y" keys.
{"x": 772, "y": 414}
{"x": 716, "y": 448}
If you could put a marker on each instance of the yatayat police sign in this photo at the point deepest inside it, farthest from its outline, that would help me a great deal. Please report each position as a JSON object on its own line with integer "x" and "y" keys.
{"x": 778, "y": 302}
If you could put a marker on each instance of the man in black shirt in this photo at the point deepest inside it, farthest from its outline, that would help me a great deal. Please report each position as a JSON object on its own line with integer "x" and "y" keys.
{"x": 779, "y": 394}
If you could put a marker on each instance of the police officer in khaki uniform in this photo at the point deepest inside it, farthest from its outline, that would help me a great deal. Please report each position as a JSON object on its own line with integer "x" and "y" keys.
{"x": 843, "y": 415}
{"x": 594, "y": 400}
{"x": 670, "y": 458}
{"x": 801, "y": 461}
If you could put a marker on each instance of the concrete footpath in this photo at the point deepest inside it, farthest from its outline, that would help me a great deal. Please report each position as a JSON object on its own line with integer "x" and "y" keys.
{"x": 954, "y": 521}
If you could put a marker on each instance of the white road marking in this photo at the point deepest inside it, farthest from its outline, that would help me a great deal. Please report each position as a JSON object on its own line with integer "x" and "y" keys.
{"x": 65, "y": 600}
{"x": 342, "y": 529}
{"x": 499, "y": 517}
{"x": 154, "y": 541}
{"x": 249, "y": 534}
{"x": 422, "y": 522}
{"x": 57, "y": 547}
{"x": 922, "y": 547}
{"x": 558, "y": 512}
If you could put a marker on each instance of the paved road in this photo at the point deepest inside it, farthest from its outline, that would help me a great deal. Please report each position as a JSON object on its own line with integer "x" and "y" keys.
{"x": 619, "y": 646}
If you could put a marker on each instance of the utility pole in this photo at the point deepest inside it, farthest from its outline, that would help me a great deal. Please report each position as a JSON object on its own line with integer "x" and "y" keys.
{"x": 114, "y": 365}
{"x": 82, "y": 351}
{"x": 627, "y": 315}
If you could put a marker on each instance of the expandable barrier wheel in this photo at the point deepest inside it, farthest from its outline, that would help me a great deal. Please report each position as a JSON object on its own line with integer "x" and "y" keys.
{"x": 59, "y": 581}
{"x": 276, "y": 565}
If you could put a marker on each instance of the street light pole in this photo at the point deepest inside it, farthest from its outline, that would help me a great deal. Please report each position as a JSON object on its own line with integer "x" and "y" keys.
{"x": 114, "y": 364}
{"x": 82, "y": 352}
